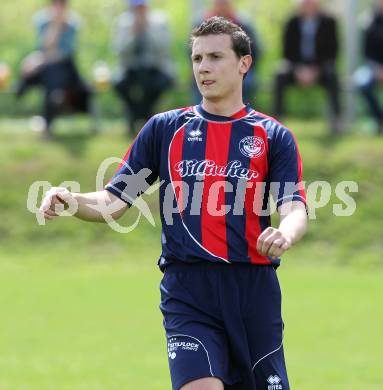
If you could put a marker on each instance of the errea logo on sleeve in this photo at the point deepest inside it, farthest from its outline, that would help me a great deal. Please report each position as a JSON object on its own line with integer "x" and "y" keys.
{"x": 274, "y": 382}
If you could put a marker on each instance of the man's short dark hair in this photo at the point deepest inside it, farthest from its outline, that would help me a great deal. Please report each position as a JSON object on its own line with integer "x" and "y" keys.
{"x": 218, "y": 25}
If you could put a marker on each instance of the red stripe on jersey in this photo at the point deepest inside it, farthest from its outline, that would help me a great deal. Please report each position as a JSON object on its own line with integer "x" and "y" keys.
{"x": 240, "y": 114}
{"x": 301, "y": 189}
{"x": 175, "y": 156}
{"x": 125, "y": 158}
{"x": 213, "y": 227}
{"x": 254, "y": 200}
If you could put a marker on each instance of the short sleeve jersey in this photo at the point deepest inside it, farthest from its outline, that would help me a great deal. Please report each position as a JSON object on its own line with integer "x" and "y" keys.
{"x": 217, "y": 174}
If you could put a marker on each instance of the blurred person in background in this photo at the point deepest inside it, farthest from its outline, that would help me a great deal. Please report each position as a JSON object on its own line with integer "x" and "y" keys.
{"x": 226, "y": 9}
{"x": 141, "y": 40}
{"x": 5, "y": 75}
{"x": 371, "y": 73}
{"x": 310, "y": 48}
{"x": 52, "y": 66}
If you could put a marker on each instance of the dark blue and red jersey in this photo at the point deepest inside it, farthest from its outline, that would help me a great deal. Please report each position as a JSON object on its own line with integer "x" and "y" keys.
{"x": 217, "y": 175}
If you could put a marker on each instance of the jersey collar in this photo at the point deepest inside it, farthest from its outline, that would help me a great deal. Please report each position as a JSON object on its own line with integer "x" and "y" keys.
{"x": 218, "y": 118}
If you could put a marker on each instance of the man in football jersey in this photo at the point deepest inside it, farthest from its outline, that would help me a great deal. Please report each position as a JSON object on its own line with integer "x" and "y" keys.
{"x": 218, "y": 163}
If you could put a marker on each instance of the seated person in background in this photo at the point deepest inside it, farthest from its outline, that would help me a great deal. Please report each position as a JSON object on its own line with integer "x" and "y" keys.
{"x": 141, "y": 40}
{"x": 225, "y": 8}
{"x": 368, "y": 76}
{"x": 52, "y": 66}
{"x": 310, "y": 47}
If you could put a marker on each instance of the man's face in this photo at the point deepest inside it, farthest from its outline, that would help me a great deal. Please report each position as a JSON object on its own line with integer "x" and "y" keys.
{"x": 59, "y": 9}
{"x": 140, "y": 10}
{"x": 380, "y": 6}
{"x": 309, "y": 7}
{"x": 217, "y": 69}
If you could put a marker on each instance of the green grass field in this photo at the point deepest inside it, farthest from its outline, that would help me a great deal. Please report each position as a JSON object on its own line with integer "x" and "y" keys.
{"x": 97, "y": 326}
{"x": 79, "y": 302}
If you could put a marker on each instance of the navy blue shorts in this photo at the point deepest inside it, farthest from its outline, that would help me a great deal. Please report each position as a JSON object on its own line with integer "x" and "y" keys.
{"x": 224, "y": 321}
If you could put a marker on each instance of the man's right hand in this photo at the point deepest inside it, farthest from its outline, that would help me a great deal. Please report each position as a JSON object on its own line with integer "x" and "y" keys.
{"x": 55, "y": 201}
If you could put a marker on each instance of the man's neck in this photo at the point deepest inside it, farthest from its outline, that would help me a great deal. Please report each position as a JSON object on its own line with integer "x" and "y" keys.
{"x": 222, "y": 107}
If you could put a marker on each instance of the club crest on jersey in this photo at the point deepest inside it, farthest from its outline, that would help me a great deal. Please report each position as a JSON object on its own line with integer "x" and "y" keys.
{"x": 195, "y": 135}
{"x": 252, "y": 146}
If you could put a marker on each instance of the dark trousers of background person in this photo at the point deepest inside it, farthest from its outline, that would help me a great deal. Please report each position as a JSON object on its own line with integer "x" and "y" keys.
{"x": 140, "y": 90}
{"x": 328, "y": 79}
{"x": 64, "y": 90}
{"x": 366, "y": 84}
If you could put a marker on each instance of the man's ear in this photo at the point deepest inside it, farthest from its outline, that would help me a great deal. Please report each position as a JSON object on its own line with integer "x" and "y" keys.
{"x": 245, "y": 63}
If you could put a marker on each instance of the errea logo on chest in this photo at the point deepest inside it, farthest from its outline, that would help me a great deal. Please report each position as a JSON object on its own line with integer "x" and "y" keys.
{"x": 194, "y": 136}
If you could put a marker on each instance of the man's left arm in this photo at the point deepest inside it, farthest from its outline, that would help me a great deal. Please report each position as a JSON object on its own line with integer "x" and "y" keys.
{"x": 274, "y": 242}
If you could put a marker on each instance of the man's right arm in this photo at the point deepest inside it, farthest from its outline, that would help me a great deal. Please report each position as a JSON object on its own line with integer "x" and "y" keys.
{"x": 92, "y": 206}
